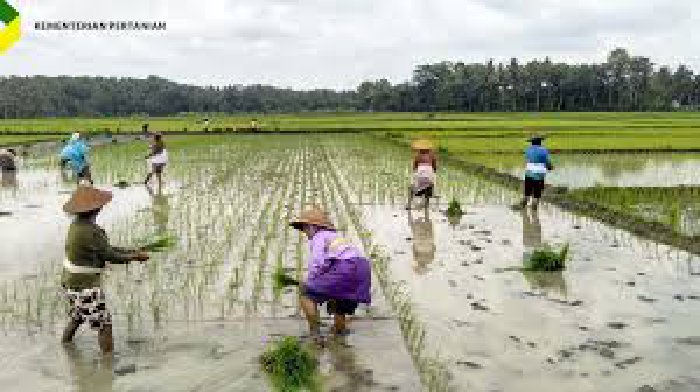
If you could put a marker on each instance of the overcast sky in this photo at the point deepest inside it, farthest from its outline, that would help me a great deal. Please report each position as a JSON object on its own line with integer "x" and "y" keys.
{"x": 339, "y": 43}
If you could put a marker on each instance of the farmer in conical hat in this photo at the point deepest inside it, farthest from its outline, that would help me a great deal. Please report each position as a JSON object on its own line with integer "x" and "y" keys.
{"x": 87, "y": 254}
{"x": 338, "y": 273}
{"x": 424, "y": 168}
{"x": 538, "y": 164}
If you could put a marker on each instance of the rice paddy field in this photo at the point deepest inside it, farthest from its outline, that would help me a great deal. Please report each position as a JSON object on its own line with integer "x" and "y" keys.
{"x": 452, "y": 309}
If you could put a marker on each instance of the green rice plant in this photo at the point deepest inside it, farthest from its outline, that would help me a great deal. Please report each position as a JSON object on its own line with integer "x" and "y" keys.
{"x": 547, "y": 259}
{"x": 290, "y": 366}
{"x": 281, "y": 280}
{"x": 454, "y": 209}
{"x": 158, "y": 243}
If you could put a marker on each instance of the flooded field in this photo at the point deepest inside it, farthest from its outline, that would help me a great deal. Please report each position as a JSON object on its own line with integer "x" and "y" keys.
{"x": 609, "y": 169}
{"x": 450, "y": 312}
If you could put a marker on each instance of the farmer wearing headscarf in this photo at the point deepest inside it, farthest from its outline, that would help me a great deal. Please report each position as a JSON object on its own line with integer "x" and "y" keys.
{"x": 538, "y": 164}
{"x": 338, "y": 273}
{"x": 75, "y": 155}
{"x": 424, "y": 168}
{"x": 88, "y": 253}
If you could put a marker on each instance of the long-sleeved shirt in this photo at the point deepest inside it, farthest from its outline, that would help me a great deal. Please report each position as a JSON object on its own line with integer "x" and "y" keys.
{"x": 537, "y": 161}
{"x": 325, "y": 246}
{"x": 76, "y": 153}
{"x": 87, "y": 245}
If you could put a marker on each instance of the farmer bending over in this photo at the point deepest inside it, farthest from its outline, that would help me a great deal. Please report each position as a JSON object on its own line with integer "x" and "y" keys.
{"x": 87, "y": 253}
{"x": 424, "y": 168}
{"x": 75, "y": 155}
{"x": 157, "y": 158}
{"x": 538, "y": 163}
{"x": 338, "y": 273}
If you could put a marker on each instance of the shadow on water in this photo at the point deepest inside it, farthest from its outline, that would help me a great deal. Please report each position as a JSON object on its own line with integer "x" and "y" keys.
{"x": 423, "y": 235}
{"x": 532, "y": 239}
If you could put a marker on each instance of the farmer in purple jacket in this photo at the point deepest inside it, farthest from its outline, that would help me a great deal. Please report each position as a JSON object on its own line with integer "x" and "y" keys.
{"x": 338, "y": 273}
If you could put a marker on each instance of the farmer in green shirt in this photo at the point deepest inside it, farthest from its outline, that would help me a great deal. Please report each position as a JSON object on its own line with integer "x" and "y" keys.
{"x": 88, "y": 252}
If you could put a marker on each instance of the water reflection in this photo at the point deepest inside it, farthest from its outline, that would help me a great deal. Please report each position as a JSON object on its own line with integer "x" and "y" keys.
{"x": 348, "y": 374}
{"x": 8, "y": 178}
{"x": 89, "y": 374}
{"x": 532, "y": 239}
{"x": 423, "y": 235}
{"x": 161, "y": 210}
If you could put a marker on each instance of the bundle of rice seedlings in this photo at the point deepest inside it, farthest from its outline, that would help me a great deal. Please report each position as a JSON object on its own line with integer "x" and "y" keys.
{"x": 158, "y": 243}
{"x": 454, "y": 209}
{"x": 290, "y": 366}
{"x": 546, "y": 259}
{"x": 281, "y": 280}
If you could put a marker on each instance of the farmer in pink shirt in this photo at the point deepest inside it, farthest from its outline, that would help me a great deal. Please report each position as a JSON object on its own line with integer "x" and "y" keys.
{"x": 338, "y": 273}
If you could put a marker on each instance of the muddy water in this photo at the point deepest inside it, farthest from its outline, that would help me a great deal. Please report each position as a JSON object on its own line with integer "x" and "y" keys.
{"x": 622, "y": 315}
{"x": 197, "y": 316}
{"x": 624, "y": 170}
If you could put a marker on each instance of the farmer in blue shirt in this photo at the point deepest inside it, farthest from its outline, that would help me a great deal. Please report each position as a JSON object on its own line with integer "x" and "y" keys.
{"x": 537, "y": 165}
{"x": 74, "y": 154}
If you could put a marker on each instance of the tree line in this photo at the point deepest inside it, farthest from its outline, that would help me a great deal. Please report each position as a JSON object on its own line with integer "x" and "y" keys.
{"x": 622, "y": 83}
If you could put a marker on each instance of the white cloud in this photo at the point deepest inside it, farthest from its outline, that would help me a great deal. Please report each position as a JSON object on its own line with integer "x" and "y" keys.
{"x": 339, "y": 43}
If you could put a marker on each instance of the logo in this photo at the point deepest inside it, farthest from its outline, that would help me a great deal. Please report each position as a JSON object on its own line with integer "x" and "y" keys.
{"x": 10, "y": 26}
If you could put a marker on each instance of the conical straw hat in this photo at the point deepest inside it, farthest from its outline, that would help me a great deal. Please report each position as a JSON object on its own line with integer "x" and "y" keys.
{"x": 422, "y": 144}
{"x": 312, "y": 216}
{"x": 86, "y": 198}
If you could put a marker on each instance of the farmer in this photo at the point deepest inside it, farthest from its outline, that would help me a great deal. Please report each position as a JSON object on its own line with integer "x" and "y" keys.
{"x": 75, "y": 155}
{"x": 537, "y": 165}
{"x": 424, "y": 168}
{"x": 87, "y": 253}
{"x": 157, "y": 159}
{"x": 338, "y": 273}
{"x": 8, "y": 168}
{"x": 7, "y": 159}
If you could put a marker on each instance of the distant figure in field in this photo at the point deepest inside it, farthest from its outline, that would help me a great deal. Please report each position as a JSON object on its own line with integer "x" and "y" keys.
{"x": 75, "y": 155}
{"x": 157, "y": 159}
{"x": 206, "y": 124}
{"x": 424, "y": 169}
{"x": 338, "y": 273}
{"x": 7, "y": 159}
{"x": 8, "y": 168}
{"x": 88, "y": 252}
{"x": 537, "y": 164}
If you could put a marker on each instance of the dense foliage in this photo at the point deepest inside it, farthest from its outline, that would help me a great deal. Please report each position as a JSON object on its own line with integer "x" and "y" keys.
{"x": 622, "y": 83}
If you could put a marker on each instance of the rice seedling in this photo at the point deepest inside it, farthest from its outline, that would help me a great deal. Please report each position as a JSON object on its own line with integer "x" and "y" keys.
{"x": 159, "y": 243}
{"x": 547, "y": 259}
{"x": 290, "y": 366}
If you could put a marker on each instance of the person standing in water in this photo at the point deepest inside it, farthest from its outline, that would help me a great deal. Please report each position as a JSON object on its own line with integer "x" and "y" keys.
{"x": 338, "y": 273}
{"x": 75, "y": 155}
{"x": 538, "y": 164}
{"x": 8, "y": 168}
{"x": 424, "y": 169}
{"x": 157, "y": 159}
{"x": 88, "y": 252}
